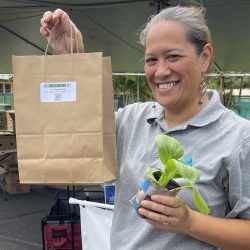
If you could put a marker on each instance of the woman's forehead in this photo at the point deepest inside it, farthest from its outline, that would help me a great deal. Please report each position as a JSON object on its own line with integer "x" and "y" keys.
{"x": 168, "y": 25}
{"x": 168, "y": 31}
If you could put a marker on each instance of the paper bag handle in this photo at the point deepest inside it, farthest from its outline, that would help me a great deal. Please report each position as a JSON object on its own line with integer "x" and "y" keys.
{"x": 71, "y": 25}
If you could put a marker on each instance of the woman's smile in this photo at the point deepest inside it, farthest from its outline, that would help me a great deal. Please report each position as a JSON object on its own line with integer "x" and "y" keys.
{"x": 167, "y": 85}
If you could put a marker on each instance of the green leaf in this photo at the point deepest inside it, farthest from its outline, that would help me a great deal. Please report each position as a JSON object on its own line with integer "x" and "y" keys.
{"x": 164, "y": 180}
{"x": 200, "y": 202}
{"x": 172, "y": 170}
{"x": 150, "y": 174}
{"x": 169, "y": 173}
{"x": 168, "y": 148}
{"x": 187, "y": 185}
{"x": 187, "y": 172}
{"x": 159, "y": 169}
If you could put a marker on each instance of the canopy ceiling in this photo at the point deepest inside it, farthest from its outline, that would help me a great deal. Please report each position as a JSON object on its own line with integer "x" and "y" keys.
{"x": 112, "y": 26}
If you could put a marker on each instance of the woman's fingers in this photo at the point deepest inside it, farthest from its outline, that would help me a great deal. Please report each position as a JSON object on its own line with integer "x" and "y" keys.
{"x": 44, "y": 32}
{"x": 46, "y": 24}
{"x": 61, "y": 32}
{"x": 163, "y": 204}
{"x": 152, "y": 215}
{"x": 158, "y": 208}
{"x": 59, "y": 14}
{"x": 160, "y": 221}
{"x": 49, "y": 18}
{"x": 167, "y": 213}
{"x": 174, "y": 202}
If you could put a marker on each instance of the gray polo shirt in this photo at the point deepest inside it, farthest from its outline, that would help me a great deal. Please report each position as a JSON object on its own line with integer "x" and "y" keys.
{"x": 218, "y": 142}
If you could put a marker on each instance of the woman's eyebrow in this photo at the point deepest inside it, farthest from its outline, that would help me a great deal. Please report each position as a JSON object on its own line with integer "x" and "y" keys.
{"x": 149, "y": 54}
{"x": 173, "y": 50}
{"x": 165, "y": 52}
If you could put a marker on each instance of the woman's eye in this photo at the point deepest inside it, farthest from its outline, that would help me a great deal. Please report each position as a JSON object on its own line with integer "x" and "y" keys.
{"x": 150, "y": 61}
{"x": 173, "y": 58}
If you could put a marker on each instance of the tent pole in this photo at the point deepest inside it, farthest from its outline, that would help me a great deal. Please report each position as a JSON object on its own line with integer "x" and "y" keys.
{"x": 138, "y": 88}
{"x": 222, "y": 88}
{"x": 241, "y": 86}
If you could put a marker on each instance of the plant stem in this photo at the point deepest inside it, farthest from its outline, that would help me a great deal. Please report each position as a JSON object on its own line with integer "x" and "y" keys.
{"x": 182, "y": 187}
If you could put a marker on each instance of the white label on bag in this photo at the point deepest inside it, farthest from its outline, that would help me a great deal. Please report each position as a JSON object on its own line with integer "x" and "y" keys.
{"x": 58, "y": 92}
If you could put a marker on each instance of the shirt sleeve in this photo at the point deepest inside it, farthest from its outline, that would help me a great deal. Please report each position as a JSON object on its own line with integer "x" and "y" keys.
{"x": 118, "y": 117}
{"x": 239, "y": 183}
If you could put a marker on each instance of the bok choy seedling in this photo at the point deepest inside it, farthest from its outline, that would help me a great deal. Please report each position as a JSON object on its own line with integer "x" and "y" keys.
{"x": 170, "y": 151}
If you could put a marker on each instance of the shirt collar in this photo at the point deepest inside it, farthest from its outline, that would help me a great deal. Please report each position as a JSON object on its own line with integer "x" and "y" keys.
{"x": 157, "y": 113}
{"x": 213, "y": 110}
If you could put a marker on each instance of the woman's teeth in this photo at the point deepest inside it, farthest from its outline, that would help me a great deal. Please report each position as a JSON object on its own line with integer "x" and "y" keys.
{"x": 167, "y": 85}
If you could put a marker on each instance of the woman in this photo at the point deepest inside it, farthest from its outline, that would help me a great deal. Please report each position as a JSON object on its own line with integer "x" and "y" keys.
{"x": 178, "y": 53}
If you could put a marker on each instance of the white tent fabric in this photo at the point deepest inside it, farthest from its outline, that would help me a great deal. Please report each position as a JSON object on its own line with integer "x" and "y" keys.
{"x": 96, "y": 220}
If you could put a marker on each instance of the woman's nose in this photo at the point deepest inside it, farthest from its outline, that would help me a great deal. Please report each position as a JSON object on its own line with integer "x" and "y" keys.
{"x": 162, "y": 70}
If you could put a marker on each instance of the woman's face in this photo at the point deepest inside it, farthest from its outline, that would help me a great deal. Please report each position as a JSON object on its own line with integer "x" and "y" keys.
{"x": 173, "y": 68}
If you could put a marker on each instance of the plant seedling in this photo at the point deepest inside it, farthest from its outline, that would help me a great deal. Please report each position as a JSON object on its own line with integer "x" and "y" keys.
{"x": 170, "y": 151}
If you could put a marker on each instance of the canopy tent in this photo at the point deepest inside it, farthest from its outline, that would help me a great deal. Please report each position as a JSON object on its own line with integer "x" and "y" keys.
{"x": 112, "y": 26}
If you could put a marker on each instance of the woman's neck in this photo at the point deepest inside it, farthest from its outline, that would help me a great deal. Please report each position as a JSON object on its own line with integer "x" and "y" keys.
{"x": 176, "y": 117}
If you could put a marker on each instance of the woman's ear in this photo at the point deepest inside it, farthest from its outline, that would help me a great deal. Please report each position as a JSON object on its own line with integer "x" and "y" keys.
{"x": 207, "y": 56}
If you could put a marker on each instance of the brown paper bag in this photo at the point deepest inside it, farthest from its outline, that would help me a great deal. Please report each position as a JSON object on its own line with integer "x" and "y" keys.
{"x": 64, "y": 119}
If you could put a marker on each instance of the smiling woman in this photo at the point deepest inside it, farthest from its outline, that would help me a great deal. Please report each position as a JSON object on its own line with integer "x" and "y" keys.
{"x": 178, "y": 53}
{"x": 176, "y": 62}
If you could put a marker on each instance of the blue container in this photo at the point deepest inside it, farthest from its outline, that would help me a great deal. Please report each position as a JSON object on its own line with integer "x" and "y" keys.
{"x": 109, "y": 193}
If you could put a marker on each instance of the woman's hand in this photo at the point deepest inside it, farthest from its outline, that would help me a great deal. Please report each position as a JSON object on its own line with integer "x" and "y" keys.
{"x": 167, "y": 213}
{"x": 55, "y": 27}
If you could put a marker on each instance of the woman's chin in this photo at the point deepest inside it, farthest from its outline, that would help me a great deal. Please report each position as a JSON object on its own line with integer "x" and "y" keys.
{"x": 163, "y": 100}
{"x": 164, "y": 103}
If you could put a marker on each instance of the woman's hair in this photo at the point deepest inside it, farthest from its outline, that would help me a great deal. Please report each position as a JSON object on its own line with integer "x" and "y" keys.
{"x": 192, "y": 17}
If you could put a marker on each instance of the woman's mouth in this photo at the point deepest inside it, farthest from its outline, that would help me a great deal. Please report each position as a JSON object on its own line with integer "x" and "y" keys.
{"x": 167, "y": 86}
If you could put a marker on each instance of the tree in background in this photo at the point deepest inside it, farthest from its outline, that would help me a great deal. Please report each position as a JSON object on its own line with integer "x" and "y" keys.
{"x": 225, "y": 87}
{"x": 131, "y": 88}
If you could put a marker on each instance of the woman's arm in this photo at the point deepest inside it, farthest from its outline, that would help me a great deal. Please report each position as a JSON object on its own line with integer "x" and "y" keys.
{"x": 171, "y": 214}
{"x": 61, "y": 32}
{"x": 228, "y": 234}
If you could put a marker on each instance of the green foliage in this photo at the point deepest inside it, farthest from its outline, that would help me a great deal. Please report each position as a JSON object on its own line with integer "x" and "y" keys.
{"x": 229, "y": 84}
{"x": 170, "y": 151}
{"x": 131, "y": 89}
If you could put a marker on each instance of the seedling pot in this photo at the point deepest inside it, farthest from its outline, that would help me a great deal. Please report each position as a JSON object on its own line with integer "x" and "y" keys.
{"x": 162, "y": 181}
{"x": 149, "y": 188}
